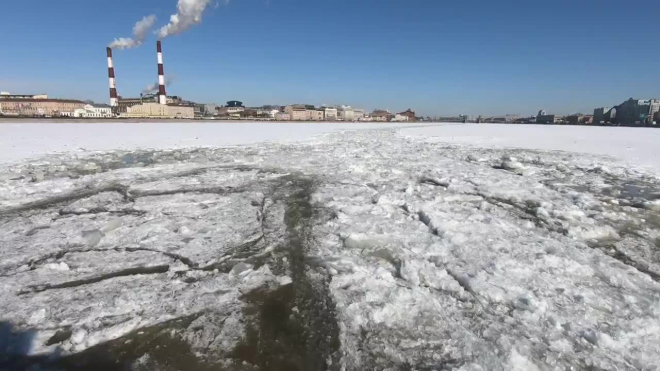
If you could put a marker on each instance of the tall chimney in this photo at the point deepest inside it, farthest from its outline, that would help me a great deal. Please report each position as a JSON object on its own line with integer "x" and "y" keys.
{"x": 162, "y": 96}
{"x": 111, "y": 77}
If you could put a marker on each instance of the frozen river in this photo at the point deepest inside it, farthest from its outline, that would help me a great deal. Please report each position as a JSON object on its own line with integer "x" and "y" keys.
{"x": 309, "y": 247}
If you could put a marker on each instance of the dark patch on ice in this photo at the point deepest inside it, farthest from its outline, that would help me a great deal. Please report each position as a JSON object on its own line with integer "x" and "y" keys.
{"x": 293, "y": 327}
{"x": 154, "y": 348}
{"x": 36, "y": 229}
{"x": 60, "y": 336}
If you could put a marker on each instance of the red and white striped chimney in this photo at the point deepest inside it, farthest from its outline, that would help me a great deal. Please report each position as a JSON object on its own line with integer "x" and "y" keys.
{"x": 162, "y": 96}
{"x": 114, "y": 102}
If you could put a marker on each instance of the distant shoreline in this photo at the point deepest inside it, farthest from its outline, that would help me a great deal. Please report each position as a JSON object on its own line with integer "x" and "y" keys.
{"x": 96, "y": 120}
{"x": 66, "y": 120}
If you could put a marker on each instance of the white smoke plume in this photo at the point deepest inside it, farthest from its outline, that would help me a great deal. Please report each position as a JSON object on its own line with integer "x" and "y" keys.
{"x": 189, "y": 13}
{"x": 152, "y": 88}
{"x": 140, "y": 31}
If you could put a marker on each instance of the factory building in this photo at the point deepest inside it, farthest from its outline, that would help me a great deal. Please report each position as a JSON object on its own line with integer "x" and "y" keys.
{"x": 157, "y": 110}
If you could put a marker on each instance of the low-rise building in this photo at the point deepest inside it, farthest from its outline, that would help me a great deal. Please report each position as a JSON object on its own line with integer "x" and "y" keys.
{"x": 574, "y": 119}
{"x": 400, "y": 117}
{"x": 38, "y": 107}
{"x": 281, "y": 116}
{"x": 544, "y": 118}
{"x": 410, "y": 114}
{"x": 92, "y": 111}
{"x": 235, "y": 112}
{"x": 381, "y": 115}
{"x": 547, "y": 119}
{"x": 358, "y": 114}
{"x": 316, "y": 114}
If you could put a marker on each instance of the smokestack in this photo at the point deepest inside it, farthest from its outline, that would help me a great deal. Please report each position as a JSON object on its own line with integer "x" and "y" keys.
{"x": 162, "y": 96}
{"x": 111, "y": 77}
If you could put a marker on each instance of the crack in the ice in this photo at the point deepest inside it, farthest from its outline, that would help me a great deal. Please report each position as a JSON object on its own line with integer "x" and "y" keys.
{"x": 614, "y": 252}
{"x": 101, "y": 210}
{"x": 74, "y": 195}
{"x": 433, "y": 181}
{"x": 211, "y": 190}
{"x": 87, "y": 281}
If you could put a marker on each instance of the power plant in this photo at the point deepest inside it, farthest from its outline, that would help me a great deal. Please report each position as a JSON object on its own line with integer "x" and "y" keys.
{"x": 111, "y": 77}
{"x": 162, "y": 97}
{"x": 145, "y": 106}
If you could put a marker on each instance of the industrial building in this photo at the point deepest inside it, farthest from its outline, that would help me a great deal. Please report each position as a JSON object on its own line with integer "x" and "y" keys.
{"x": 8, "y": 95}
{"x": 39, "y": 107}
{"x": 162, "y": 111}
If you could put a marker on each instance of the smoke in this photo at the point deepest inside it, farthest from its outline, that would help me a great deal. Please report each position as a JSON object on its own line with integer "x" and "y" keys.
{"x": 189, "y": 13}
{"x": 140, "y": 31}
{"x": 152, "y": 88}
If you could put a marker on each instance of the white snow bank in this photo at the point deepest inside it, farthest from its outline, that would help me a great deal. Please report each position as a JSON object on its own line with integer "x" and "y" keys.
{"x": 638, "y": 146}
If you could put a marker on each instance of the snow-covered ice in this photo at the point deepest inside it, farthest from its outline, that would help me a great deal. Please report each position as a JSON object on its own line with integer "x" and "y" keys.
{"x": 352, "y": 250}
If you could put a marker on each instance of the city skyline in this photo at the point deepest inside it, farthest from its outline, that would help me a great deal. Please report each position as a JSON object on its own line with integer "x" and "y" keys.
{"x": 440, "y": 59}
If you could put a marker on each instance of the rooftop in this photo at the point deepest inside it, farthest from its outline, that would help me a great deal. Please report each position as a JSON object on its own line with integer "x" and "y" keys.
{"x": 30, "y": 100}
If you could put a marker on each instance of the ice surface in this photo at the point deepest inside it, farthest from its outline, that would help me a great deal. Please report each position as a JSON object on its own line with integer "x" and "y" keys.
{"x": 372, "y": 249}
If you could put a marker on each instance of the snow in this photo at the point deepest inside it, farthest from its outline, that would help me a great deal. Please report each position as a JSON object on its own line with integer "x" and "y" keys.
{"x": 432, "y": 253}
{"x": 19, "y": 140}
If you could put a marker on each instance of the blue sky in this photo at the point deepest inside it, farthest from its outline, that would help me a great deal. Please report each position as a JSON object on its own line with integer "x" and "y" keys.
{"x": 436, "y": 57}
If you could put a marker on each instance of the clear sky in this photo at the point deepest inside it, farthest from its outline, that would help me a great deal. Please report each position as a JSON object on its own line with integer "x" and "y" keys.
{"x": 436, "y": 57}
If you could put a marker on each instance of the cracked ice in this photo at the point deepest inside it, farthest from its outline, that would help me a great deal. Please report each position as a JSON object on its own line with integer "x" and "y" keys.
{"x": 413, "y": 254}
